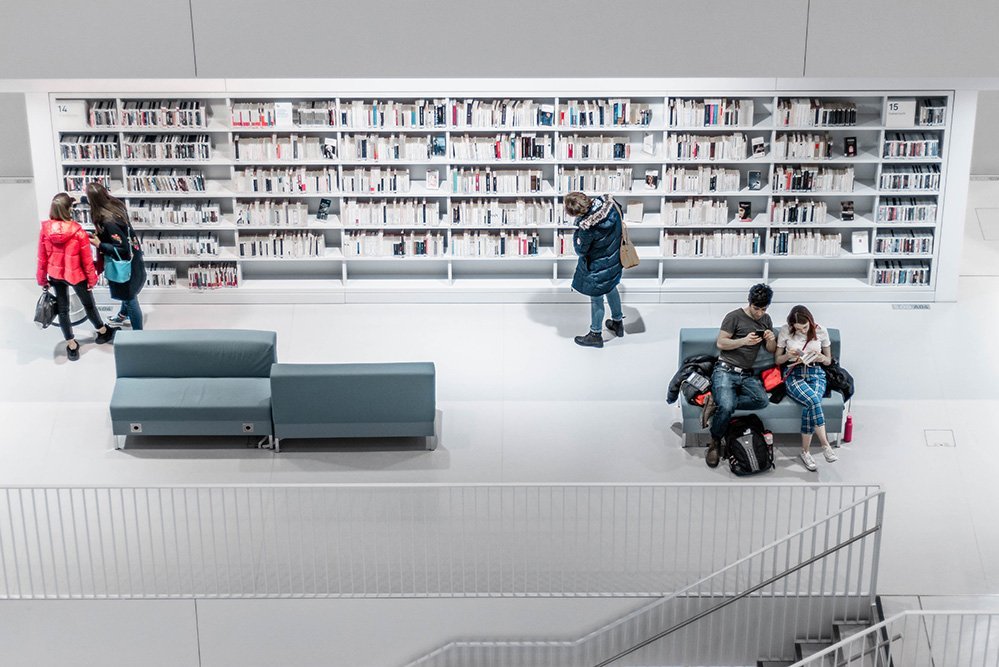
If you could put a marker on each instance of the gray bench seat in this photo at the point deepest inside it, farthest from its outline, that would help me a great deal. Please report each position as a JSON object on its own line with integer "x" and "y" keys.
{"x": 194, "y": 406}
{"x": 354, "y": 400}
{"x": 783, "y": 417}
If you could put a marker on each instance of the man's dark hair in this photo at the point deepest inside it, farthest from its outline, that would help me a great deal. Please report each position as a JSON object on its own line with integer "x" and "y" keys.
{"x": 760, "y": 295}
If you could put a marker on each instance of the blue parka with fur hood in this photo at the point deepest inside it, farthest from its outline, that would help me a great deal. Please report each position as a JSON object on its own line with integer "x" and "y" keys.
{"x": 597, "y": 241}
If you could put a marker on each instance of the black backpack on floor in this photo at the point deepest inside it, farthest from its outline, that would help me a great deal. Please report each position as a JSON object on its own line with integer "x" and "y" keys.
{"x": 746, "y": 446}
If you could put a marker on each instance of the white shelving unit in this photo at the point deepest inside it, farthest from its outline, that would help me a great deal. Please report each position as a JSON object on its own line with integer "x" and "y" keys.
{"x": 463, "y": 253}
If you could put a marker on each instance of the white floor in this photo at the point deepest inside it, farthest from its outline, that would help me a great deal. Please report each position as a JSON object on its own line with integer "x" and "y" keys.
{"x": 522, "y": 403}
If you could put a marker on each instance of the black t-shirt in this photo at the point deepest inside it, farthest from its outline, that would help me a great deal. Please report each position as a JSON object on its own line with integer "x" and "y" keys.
{"x": 740, "y": 325}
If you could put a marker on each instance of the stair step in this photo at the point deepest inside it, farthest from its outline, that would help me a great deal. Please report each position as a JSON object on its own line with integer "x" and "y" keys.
{"x": 843, "y": 631}
{"x": 803, "y": 650}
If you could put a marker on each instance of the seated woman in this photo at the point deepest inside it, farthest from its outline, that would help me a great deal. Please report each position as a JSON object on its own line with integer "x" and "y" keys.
{"x": 803, "y": 345}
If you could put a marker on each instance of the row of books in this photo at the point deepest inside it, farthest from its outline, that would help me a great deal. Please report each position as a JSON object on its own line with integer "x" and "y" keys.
{"x": 393, "y": 147}
{"x": 283, "y": 244}
{"x": 502, "y": 147}
{"x": 213, "y": 275}
{"x": 376, "y": 180}
{"x": 812, "y": 112}
{"x": 163, "y": 113}
{"x": 89, "y": 147}
{"x": 805, "y": 179}
{"x": 387, "y": 244}
{"x": 495, "y": 244}
{"x": 159, "y": 276}
{"x": 595, "y": 180}
{"x": 267, "y": 213}
{"x": 906, "y": 209}
{"x": 711, "y": 244}
{"x": 149, "y": 213}
{"x": 793, "y": 211}
{"x": 805, "y": 243}
{"x": 799, "y": 145}
{"x": 492, "y": 212}
{"x": 169, "y": 147}
{"x": 893, "y": 272}
{"x": 589, "y": 147}
{"x": 711, "y": 112}
{"x": 188, "y": 245}
{"x": 403, "y": 212}
{"x": 914, "y": 177}
{"x": 289, "y": 147}
{"x": 500, "y": 113}
{"x": 75, "y": 179}
{"x": 287, "y": 181}
{"x": 164, "y": 180}
{"x": 313, "y": 113}
{"x": 911, "y": 144}
{"x": 102, "y": 113}
{"x": 707, "y": 147}
{"x": 507, "y": 181}
{"x": 699, "y": 179}
{"x": 694, "y": 212}
{"x": 386, "y": 113}
{"x": 930, "y": 112}
{"x": 603, "y": 113}
{"x": 903, "y": 242}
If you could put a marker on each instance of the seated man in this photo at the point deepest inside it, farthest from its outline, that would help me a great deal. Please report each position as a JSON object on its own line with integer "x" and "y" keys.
{"x": 733, "y": 386}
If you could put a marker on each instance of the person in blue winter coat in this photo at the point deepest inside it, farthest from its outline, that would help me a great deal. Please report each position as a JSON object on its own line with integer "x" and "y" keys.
{"x": 597, "y": 241}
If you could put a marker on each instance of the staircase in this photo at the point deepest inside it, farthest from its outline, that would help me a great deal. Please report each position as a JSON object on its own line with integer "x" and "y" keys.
{"x": 806, "y": 648}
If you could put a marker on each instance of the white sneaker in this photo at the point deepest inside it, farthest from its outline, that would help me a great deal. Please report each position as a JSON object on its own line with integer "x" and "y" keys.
{"x": 829, "y": 454}
{"x": 806, "y": 458}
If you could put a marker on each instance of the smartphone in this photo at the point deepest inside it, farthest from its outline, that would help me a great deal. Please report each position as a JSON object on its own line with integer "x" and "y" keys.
{"x": 760, "y": 332}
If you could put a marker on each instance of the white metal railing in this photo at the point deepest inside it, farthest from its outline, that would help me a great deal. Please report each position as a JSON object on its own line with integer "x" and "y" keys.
{"x": 391, "y": 540}
{"x": 757, "y": 606}
{"x": 918, "y": 639}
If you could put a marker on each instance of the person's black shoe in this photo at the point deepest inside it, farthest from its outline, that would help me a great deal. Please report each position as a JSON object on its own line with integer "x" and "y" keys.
{"x": 108, "y": 335}
{"x": 616, "y": 327}
{"x": 714, "y": 454}
{"x": 590, "y": 340}
{"x": 73, "y": 352}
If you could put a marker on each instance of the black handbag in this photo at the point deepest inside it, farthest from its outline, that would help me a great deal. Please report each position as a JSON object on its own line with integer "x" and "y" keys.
{"x": 45, "y": 309}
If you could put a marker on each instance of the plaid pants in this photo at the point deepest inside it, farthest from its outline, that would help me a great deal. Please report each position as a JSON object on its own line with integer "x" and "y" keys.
{"x": 806, "y": 386}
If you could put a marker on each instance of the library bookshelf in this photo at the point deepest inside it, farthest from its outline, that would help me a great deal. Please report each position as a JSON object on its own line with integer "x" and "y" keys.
{"x": 337, "y": 195}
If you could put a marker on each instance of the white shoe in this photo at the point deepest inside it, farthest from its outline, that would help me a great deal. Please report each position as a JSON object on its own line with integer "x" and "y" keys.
{"x": 829, "y": 454}
{"x": 806, "y": 458}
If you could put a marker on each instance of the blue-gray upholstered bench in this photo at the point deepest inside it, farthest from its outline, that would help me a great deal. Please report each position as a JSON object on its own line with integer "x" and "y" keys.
{"x": 783, "y": 417}
{"x": 193, "y": 382}
{"x": 354, "y": 400}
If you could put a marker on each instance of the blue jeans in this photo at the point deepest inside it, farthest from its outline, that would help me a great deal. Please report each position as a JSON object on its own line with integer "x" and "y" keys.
{"x": 130, "y": 307}
{"x": 597, "y": 310}
{"x": 734, "y": 391}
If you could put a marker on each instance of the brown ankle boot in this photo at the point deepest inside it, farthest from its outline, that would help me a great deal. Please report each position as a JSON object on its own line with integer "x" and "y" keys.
{"x": 714, "y": 454}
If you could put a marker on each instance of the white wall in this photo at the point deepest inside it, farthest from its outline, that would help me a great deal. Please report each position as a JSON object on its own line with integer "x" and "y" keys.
{"x": 985, "y": 159}
{"x": 15, "y": 152}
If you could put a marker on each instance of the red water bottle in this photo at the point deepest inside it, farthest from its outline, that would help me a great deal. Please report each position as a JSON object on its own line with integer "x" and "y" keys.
{"x": 848, "y": 429}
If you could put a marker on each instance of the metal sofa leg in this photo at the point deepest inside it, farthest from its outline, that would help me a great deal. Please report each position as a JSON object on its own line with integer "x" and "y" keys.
{"x": 276, "y": 444}
{"x": 119, "y": 442}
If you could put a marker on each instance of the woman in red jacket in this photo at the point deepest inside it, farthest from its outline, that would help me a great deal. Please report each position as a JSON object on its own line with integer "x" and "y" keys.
{"x": 64, "y": 261}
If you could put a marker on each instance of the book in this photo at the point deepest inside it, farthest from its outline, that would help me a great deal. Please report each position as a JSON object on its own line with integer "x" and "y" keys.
{"x": 860, "y": 242}
{"x": 759, "y": 146}
{"x": 635, "y": 212}
{"x": 433, "y": 179}
{"x": 546, "y": 115}
{"x": 652, "y": 179}
{"x": 649, "y": 144}
{"x": 283, "y": 115}
{"x": 329, "y": 148}
{"x": 850, "y": 146}
{"x": 745, "y": 210}
{"x": 846, "y": 210}
{"x": 324, "y": 209}
{"x": 755, "y": 180}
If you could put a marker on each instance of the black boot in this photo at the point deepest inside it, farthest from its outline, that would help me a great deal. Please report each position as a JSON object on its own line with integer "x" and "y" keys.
{"x": 714, "y": 454}
{"x": 590, "y": 340}
{"x": 108, "y": 335}
{"x": 616, "y": 327}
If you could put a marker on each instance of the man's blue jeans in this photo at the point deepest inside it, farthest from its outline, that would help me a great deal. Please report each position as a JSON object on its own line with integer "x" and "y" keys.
{"x": 597, "y": 310}
{"x": 734, "y": 391}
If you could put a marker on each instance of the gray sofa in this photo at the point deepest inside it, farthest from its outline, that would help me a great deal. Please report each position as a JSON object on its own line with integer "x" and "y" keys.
{"x": 353, "y": 400}
{"x": 783, "y": 417}
{"x": 193, "y": 382}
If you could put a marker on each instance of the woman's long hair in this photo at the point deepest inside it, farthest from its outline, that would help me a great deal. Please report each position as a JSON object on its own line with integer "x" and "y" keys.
{"x": 61, "y": 207}
{"x": 801, "y": 315}
{"x": 103, "y": 206}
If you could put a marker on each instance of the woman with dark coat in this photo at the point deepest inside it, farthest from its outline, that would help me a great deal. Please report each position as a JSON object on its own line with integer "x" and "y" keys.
{"x": 64, "y": 263}
{"x": 597, "y": 241}
{"x": 115, "y": 239}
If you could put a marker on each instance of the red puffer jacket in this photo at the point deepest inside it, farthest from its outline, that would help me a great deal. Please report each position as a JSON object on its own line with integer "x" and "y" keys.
{"x": 64, "y": 253}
